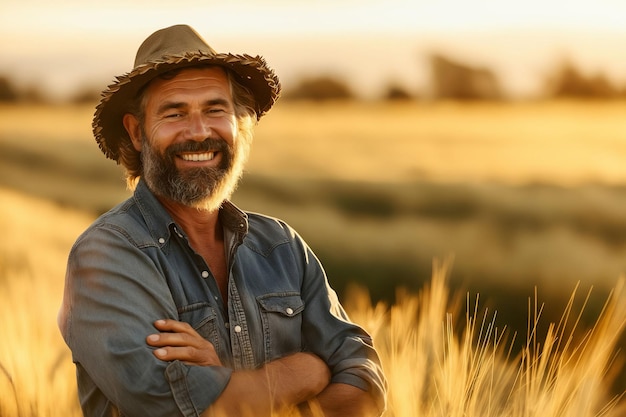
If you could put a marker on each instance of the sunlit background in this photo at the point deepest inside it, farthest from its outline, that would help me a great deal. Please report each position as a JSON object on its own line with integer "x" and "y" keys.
{"x": 491, "y": 132}
{"x": 488, "y": 130}
{"x": 65, "y": 45}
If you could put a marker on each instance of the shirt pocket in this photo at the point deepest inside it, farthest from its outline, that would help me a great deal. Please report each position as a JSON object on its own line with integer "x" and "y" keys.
{"x": 282, "y": 323}
{"x": 202, "y": 317}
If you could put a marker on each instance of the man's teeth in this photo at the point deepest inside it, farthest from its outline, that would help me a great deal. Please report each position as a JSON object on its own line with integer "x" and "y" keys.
{"x": 198, "y": 156}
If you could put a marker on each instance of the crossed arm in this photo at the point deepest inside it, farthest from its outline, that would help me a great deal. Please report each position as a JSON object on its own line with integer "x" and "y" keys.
{"x": 300, "y": 380}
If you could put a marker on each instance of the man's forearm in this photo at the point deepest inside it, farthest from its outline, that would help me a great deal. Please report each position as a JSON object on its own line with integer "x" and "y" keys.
{"x": 341, "y": 400}
{"x": 280, "y": 384}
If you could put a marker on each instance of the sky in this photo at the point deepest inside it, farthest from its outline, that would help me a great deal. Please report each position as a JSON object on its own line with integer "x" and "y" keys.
{"x": 64, "y": 46}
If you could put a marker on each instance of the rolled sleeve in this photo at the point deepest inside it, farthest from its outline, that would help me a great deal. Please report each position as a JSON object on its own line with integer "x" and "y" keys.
{"x": 366, "y": 375}
{"x": 195, "y": 388}
{"x": 346, "y": 347}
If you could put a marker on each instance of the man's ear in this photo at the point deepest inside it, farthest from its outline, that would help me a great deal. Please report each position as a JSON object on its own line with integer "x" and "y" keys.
{"x": 131, "y": 124}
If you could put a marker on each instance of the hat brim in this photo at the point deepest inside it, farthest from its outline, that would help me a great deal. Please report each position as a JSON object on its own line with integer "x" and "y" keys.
{"x": 116, "y": 100}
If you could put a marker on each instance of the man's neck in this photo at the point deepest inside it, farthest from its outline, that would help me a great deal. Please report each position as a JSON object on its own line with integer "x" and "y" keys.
{"x": 198, "y": 224}
{"x": 206, "y": 236}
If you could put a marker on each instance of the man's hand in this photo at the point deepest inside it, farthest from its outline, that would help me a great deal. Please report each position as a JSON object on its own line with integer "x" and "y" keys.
{"x": 278, "y": 385}
{"x": 179, "y": 341}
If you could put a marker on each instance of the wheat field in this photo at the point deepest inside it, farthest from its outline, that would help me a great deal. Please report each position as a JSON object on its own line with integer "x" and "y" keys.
{"x": 443, "y": 352}
{"x": 563, "y": 142}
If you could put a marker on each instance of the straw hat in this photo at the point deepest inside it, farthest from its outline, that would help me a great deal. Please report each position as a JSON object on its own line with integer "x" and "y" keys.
{"x": 165, "y": 50}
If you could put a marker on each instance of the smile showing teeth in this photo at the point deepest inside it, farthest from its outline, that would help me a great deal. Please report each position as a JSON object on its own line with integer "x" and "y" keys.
{"x": 198, "y": 156}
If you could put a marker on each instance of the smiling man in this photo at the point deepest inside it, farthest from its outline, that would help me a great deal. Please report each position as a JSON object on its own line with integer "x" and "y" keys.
{"x": 176, "y": 301}
{"x": 192, "y": 117}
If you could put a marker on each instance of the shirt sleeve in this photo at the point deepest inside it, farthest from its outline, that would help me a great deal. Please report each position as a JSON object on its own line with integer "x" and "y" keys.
{"x": 114, "y": 293}
{"x": 346, "y": 347}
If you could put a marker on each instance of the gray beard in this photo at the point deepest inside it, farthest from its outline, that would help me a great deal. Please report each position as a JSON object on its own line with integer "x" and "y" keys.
{"x": 201, "y": 188}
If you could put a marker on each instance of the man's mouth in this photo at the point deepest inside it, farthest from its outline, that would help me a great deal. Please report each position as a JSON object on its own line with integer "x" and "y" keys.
{"x": 195, "y": 157}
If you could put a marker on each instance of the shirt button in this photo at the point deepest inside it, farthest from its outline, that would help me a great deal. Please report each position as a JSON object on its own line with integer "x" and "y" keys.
{"x": 289, "y": 311}
{"x": 227, "y": 325}
{"x": 237, "y": 329}
{"x": 161, "y": 240}
{"x": 205, "y": 274}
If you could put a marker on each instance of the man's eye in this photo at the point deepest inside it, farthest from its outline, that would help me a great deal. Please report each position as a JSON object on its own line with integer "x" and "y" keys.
{"x": 172, "y": 115}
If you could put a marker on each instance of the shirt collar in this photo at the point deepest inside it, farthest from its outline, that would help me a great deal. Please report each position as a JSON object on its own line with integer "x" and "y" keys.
{"x": 160, "y": 223}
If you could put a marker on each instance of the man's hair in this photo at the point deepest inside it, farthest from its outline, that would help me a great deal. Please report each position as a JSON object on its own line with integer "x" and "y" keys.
{"x": 245, "y": 113}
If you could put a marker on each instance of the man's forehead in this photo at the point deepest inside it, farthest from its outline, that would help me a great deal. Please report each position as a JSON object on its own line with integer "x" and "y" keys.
{"x": 190, "y": 79}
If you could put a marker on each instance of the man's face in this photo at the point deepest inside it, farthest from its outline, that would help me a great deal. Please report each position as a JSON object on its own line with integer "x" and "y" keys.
{"x": 190, "y": 152}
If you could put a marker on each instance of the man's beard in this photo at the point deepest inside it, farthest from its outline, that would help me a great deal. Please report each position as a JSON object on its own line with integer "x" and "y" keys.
{"x": 204, "y": 188}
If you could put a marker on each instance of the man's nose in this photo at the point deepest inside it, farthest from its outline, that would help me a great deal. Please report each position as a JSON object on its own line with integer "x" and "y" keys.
{"x": 199, "y": 127}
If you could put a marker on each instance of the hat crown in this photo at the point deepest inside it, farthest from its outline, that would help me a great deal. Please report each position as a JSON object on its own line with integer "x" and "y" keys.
{"x": 175, "y": 40}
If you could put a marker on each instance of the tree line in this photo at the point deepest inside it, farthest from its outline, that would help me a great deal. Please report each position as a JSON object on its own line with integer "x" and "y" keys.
{"x": 450, "y": 79}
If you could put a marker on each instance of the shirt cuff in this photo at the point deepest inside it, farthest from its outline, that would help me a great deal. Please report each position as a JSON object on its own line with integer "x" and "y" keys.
{"x": 195, "y": 388}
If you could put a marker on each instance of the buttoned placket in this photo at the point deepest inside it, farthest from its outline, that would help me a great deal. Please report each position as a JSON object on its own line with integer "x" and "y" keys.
{"x": 241, "y": 344}
{"x": 205, "y": 272}
{"x": 217, "y": 302}
{"x": 235, "y": 319}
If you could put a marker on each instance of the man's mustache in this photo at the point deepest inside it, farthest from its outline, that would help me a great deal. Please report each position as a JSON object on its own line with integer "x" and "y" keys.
{"x": 206, "y": 145}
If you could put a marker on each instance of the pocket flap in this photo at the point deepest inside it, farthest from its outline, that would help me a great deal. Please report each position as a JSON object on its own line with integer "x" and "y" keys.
{"x": 285, "y": 304}
{"x": 197, "y": 314}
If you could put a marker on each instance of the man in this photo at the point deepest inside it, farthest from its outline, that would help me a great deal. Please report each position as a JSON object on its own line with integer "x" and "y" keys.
{"x": 178, "y": 303}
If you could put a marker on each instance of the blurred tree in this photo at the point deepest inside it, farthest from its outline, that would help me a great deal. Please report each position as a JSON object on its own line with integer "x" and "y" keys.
{"x": 33, "y": 94}
{"x": 85, "y": 95}
{"x": 319, "y": 89}
{"x": 569, "y": 82}
{"x": 395, "y": 92}
{"x": 8, "y": 91}
{"x": 453, "y": 80}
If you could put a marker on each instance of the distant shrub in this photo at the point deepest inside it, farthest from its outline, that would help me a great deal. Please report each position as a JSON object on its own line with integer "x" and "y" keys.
{"x": 85, "y": 95}
{"x": 33, "y": 94}
{"x": 569, "y": 82}
{"x": 453, "y": 80}
{"x": 396, "y": 92}
{"x": 8, "y": 92}
{"x": 319, "y": 89}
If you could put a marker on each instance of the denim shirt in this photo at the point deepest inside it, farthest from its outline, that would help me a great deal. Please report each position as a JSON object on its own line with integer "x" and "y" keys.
{"x": 134, "y": 265}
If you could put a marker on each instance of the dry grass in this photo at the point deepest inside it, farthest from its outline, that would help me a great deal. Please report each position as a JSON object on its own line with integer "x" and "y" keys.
{"x": 555, "y": 142}
{"x": 435, "y": 369}
{"x": 561, "y": 143}
{"x": 36, "y": 372}
{"x": 437, "y": 363}
{"x": 45, "y": 123}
